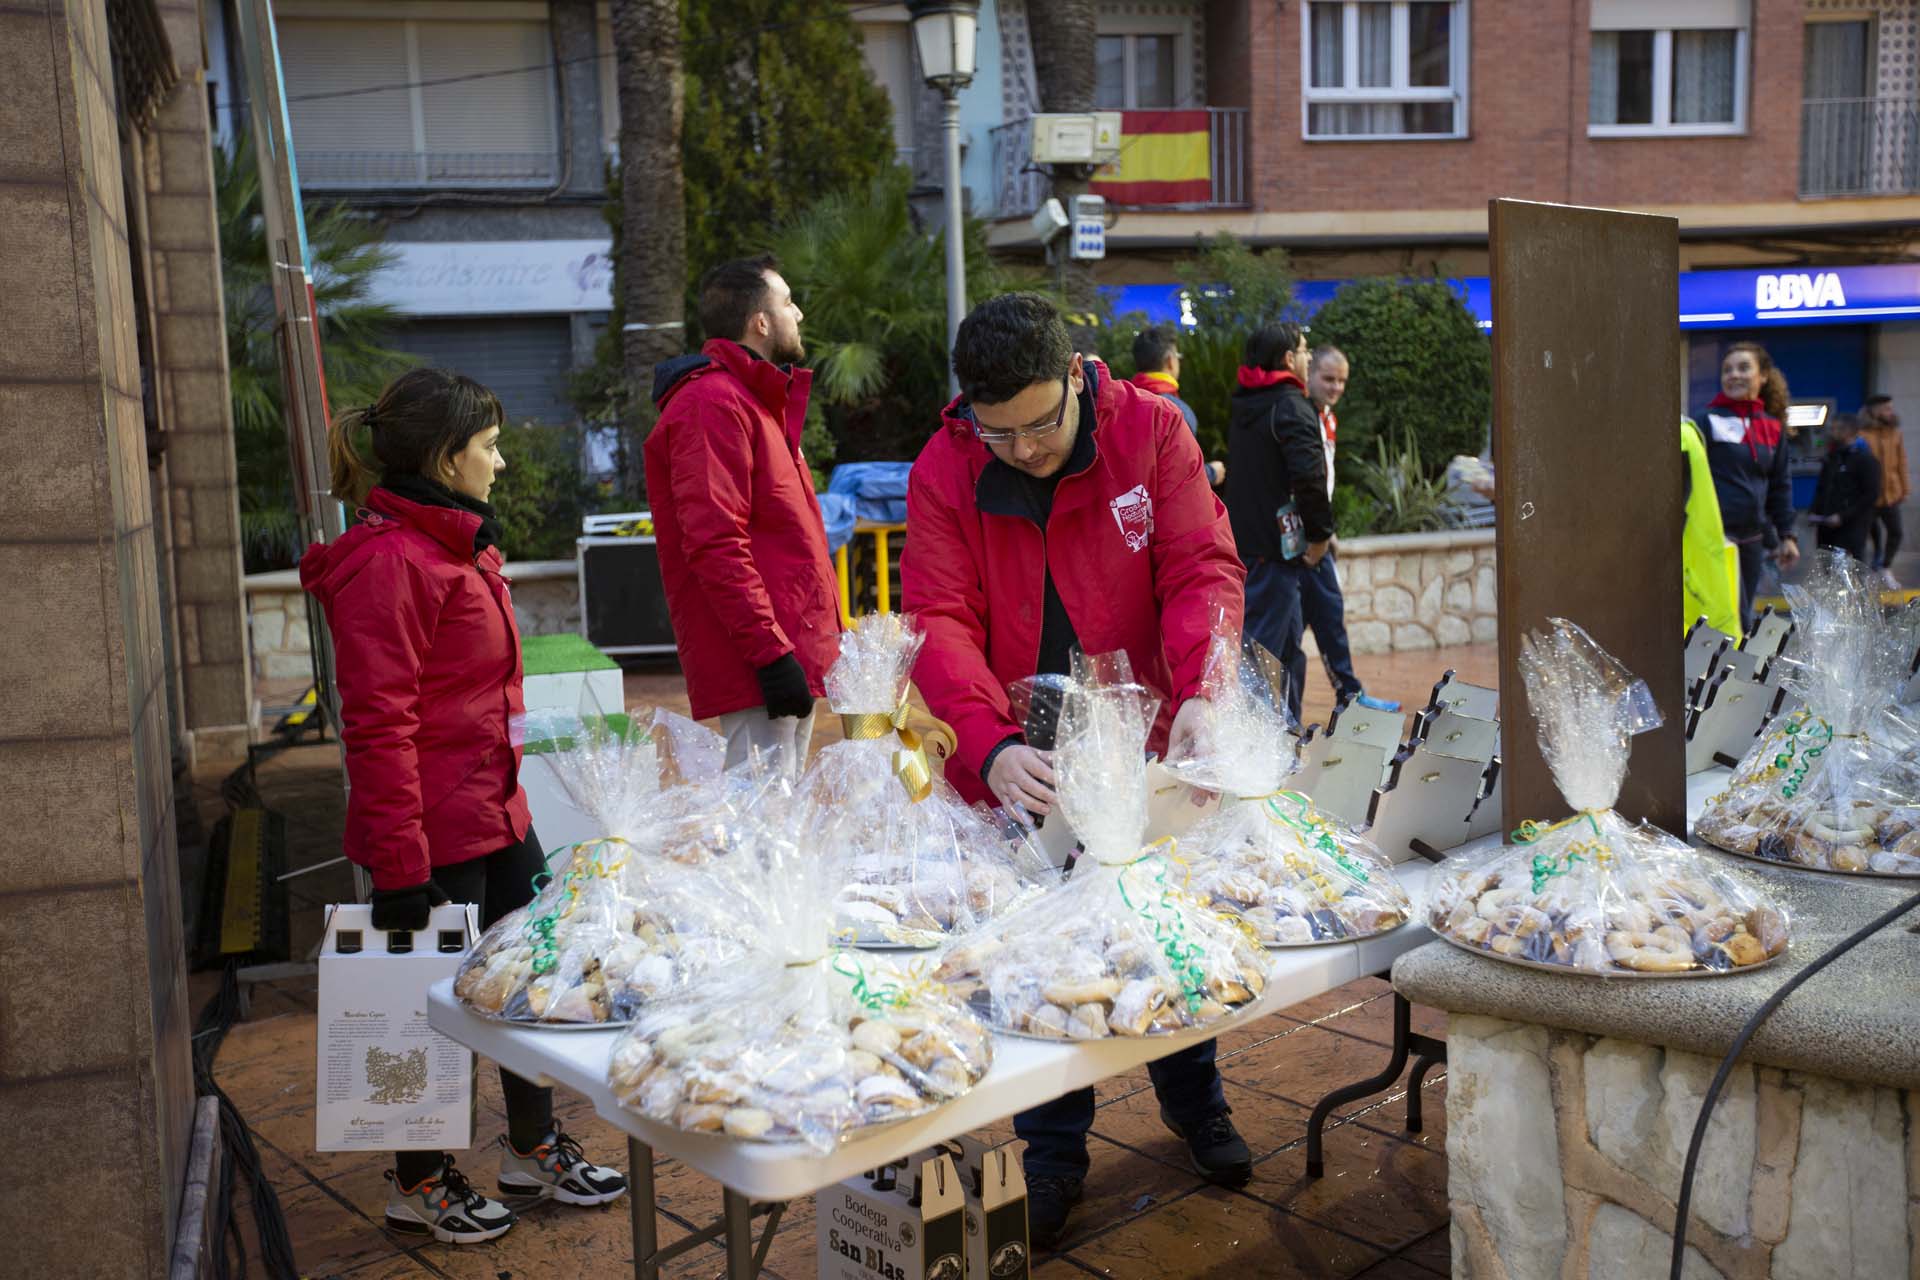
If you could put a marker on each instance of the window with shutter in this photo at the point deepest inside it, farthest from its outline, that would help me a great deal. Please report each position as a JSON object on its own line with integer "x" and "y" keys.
{"x": 522, "y": 359}
{"x": 1667, "y": 67}
{"x": 421, "y": 102}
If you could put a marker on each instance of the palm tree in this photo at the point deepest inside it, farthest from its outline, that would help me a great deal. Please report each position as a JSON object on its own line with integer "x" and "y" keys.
{"x": 346, "y": 252}
{"x": 653, "y": 239}
{"x": 1064, "y": 43}
{"x": 874, "y": 290}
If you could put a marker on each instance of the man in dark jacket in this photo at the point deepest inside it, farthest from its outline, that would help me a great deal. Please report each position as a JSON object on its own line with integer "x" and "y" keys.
{"x": 743, "y": 551}
{"x": 1277, "y": 495}
{"x": 1059, "y": 509}
{"x": 1849, "y": 490}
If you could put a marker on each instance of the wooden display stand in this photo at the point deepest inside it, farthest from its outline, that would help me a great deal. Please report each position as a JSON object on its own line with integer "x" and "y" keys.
{"x": 1588, "y": 521}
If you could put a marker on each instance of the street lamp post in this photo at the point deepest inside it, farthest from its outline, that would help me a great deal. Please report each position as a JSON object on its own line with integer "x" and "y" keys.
{"x": 943, "y": 31}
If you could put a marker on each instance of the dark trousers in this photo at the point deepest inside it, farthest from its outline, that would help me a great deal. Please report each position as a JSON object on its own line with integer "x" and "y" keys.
{"x": 1753, "y": 558}
{"x": 1325, "y": 610}
{"x": 1887, "y": 536}
{"x": 1188, "y": 1085}
{"x": 1275, "y": 620}
{"x": 498, "y": 882}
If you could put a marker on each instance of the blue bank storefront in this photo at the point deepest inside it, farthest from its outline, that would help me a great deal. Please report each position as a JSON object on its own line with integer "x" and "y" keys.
{"x": 1838, "y": 333}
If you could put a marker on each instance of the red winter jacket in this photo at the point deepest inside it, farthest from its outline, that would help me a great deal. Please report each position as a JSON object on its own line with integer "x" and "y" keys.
{"x": 743, "y": 551}
{"x": 1139, "y": 549}
{"x": 427, "y": 657}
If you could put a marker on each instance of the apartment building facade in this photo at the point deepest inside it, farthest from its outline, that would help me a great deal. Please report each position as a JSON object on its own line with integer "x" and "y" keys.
{"x": 1366, "y": 137}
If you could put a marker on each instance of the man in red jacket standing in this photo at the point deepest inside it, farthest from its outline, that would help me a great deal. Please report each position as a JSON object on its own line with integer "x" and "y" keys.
{"x": 743, "y": 552}
{"x": 1057, "y": 509}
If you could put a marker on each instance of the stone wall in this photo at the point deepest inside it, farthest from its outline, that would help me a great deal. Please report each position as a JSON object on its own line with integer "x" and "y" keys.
{"x": 1418, "y": 590}
{"x": 546, "y": 602}
{"x": 1564, "y": 1154}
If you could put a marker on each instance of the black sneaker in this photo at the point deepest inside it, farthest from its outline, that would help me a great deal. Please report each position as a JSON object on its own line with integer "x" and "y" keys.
{"x": 1049, "y": 1200}
{"x": 1219, "y": 1155}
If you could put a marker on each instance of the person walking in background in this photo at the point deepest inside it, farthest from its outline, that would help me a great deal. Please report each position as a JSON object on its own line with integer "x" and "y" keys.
{"x": 427, "y": 666}
{"x": 1882, "y": 431}
{"x": 1747, "y": 452}
{"x": 1849, "y": 492}
{"x": 743, "y": 551}
{"x": 1058, "y": 509}
{"x": 1156, "y": 364}
{"x": 1322, "y": 606}
{"x": 1277, "y": 494}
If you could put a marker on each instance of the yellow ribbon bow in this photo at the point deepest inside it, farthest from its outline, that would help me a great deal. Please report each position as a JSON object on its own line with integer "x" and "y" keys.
{"x": 909, "y": 759}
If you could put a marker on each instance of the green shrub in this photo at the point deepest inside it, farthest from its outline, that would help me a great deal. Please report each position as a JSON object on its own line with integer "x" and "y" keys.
{"x": 1353, "y": 511}
{"x": 540, "y": 497}
{"x": 1402, "y": 492}
{"x": 1419, "y": 366}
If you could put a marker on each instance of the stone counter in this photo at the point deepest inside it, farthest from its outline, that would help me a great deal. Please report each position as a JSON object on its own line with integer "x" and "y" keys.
{"x": 1571, "y": 1101}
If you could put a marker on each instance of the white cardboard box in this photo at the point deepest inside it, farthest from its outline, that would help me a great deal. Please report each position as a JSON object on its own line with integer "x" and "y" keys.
{"x": 998, "y": 1247}
{"x": 385, "y": 1080}
{"x": 906, "y": 1221}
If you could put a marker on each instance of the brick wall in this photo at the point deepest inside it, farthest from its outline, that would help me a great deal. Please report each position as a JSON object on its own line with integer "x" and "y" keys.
{"x": 95, "y": 1078}
{"x": 1527, "y": 134}
{"x": 190, "y": 331}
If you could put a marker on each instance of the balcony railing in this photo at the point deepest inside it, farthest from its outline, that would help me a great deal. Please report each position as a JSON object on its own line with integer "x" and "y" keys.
{"x": 1018, "y": 187}
{"x": 1859, "y": 147}
{"x": 378, "y": 170}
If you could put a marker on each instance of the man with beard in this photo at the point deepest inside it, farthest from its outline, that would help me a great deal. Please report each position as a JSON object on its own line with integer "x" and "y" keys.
{"x": 743, "y": 551}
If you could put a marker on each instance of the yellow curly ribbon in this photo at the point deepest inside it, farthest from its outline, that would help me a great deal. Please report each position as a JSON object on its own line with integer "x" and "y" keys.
{"x": 919, "y": 984}
{"x": 909, "y": 759}
{"x": 1314, "y": 829}
{"x": 1531, "y": 830}
{"x": 1547, "y": 866}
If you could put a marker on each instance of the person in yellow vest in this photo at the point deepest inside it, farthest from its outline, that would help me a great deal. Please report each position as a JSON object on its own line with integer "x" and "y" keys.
{"x": 1709, "y": 564}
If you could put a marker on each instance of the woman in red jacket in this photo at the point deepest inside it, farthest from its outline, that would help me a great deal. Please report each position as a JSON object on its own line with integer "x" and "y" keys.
{"x": 427, "y": 662}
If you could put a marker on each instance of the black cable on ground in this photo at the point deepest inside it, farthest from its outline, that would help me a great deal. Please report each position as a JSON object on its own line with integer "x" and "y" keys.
{"x": 238, "y": 1152}
{"x": 1760, "y": 1015}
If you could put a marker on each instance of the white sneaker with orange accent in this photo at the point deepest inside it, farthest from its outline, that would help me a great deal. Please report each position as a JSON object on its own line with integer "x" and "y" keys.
{"x": 447, "y": 1207}
{"x": 558, "y": 1169}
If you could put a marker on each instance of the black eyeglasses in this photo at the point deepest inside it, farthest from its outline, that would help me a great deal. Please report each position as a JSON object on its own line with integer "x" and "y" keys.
{"x": 990, "y": 436}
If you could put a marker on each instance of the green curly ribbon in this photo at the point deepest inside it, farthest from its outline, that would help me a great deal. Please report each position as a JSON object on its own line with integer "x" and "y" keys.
{"x": 1315, "y": 830}
{"x": 540, "y": 928}
{"x": 1785, "y": 760}
{"x": 1547, "y": 866}
{"x": 1169, "y": 933}
{"x": 875, "y": 998}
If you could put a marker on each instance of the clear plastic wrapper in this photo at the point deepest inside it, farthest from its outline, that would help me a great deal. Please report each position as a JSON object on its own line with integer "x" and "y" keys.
{"x": 601, "y": 937}
{"x": 797, "y": 1038}
{"x": 1296, "y": 876}
{"x": 920, "y": 864}
{"x": 1834, "y": 785}
{"x": 1594, "y": 893}
{"x": 1121, "y": 948}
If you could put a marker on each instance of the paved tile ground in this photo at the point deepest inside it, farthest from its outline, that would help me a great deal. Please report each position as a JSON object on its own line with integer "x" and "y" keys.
{"x": 1380, "y": 1213}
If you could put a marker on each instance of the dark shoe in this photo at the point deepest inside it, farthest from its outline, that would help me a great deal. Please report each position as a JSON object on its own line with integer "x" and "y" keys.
{"x": 1215, "y": 1145}
{"x": 1049, "y": 1200}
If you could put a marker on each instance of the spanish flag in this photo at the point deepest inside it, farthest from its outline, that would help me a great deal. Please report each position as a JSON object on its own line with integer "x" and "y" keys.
{"x": 1165, "y": 158}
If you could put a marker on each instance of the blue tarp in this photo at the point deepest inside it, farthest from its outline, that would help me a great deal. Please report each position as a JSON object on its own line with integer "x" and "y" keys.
{"x": 879, "y": 489}
{"x": 837, "y": 513}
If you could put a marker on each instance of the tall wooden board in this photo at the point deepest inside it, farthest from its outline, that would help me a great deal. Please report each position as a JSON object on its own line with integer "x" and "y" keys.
{"x": 1586, "y": 444}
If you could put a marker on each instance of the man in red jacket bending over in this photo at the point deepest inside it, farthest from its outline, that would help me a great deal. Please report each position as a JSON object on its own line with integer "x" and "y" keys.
{"x": 743, "y": 552}
{"x": 1060, "y": 508}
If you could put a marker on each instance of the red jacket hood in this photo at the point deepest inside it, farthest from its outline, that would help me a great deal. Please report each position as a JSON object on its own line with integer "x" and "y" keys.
{"x": 449, "y": 527}
{"x": 1253, "y": 379}
{"x": 781, "y": 389}
{"x": 1745, "y": 408}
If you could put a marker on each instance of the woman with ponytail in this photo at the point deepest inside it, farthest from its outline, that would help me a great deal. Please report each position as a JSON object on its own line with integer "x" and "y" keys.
{"x": 427, "y": 664}
{"x": 1747, "y": 452}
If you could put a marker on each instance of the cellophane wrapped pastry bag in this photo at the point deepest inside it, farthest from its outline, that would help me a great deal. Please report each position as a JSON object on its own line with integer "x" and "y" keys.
{"x": 1594, "y": 893}
{"x": 798, "y": 1038}
{"x": 600, "y": 937}
{"x": 920, "y": 864}
{"x": 1295, "y": 875}
{"x": 1121, "y": 948}
{"x": 1833, "y": 786}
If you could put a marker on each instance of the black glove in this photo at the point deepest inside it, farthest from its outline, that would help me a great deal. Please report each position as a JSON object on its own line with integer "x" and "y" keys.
{"x": 405, "y": 908}
{"x": 783, "y": 684}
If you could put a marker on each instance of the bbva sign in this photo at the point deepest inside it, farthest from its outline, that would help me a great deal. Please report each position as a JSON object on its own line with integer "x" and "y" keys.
{"x": 1798, "y": 291}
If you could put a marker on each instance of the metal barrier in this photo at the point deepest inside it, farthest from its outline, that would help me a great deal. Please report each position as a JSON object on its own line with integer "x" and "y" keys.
{"x": 1859, "y": 147}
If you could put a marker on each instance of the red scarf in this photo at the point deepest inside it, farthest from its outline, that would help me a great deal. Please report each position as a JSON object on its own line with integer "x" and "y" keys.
{"x": 1253, "y": 379}
{"x": 1161, "y": 384}
{"x": 1756, "y": 415}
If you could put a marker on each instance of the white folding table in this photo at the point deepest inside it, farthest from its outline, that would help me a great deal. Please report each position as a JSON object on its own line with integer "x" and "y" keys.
{"x": 1025, "y": 1073}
